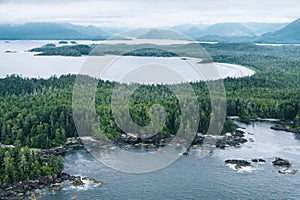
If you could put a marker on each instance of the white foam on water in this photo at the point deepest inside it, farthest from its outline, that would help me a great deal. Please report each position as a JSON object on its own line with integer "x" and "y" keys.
{"x": 247, "y": 169}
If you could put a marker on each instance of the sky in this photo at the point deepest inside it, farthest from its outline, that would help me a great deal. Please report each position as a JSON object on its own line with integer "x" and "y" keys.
{"x": 147, "y": 13}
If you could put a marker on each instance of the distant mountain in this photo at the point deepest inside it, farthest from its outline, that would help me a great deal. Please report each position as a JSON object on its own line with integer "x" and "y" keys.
{"x": 163, "y": 34}
{"x": 227, "y": 31}
{"x": 89, "y": 30}
{"x": 242, "y": 39}
{"x": 152, "y": 33}
{"x": 263, "y": 28}
{"x": 191, "y": 30}
{"x": 216, "y": 30}
{"x": 135, "y": 33}
{"x": 58, "y": 31}
{"x": 288, "y": 34}
{"x": 115, "y": 30}
{"x": 221, "y": 32}
{"x": 186, "y": 27}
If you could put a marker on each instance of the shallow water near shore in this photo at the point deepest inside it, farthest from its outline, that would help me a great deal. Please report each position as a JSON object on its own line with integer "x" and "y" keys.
{"x": 195, "y": 178}
{"x": 21, "y": 62}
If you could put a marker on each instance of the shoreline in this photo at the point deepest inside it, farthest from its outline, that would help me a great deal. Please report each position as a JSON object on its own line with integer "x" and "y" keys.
{"x": 217, "y": 70}
{"x": 34, "y": 187}
{"x": 279, "y": 125}
{"x": 28, "y": 188}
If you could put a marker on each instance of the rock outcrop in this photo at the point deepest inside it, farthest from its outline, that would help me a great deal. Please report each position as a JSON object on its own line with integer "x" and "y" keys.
{"x": 242, "y": 163}
{"x": 281, "y": 162}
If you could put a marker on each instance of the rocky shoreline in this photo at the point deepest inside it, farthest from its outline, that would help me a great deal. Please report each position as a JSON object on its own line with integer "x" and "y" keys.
{"x": 129, "y": 142}
{"x": 70, "y": 145}
{"x": 28, "y": 188}
{"x": 287, "y": 126}
{"x": 234, "y": 139}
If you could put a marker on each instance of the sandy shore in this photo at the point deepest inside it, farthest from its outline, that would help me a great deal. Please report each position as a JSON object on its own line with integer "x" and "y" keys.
{"x": 214, "y": 71}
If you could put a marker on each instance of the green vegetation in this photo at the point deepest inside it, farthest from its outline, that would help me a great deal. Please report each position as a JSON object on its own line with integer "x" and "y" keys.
{"x": 38, "y": 112}
{"x": 273, "y": 92}
{"x": 150, "y": 52}
{"x": 74, "y": 50}
{"x": 20, "y": 163}
{"x": 189, "y": 50}
{"x": 297, "y": 122}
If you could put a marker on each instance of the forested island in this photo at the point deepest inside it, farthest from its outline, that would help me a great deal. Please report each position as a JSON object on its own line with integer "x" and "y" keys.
{"x": 37, "y": 113}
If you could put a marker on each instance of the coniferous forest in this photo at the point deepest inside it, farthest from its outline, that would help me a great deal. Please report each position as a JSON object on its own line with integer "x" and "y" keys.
{"x": 37, "y": 113}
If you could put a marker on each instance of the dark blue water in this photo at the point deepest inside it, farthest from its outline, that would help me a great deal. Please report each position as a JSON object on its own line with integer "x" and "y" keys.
{"x": 195, "y": 178}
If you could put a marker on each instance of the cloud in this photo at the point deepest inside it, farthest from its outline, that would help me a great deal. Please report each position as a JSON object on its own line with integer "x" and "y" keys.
{"x": 145, "y": 13}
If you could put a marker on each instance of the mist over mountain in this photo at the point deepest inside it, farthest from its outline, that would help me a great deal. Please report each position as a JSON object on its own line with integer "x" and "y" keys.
{"x": 220, "y": 32}
{"x": 46, "y": 30}
{"x": 288, "y": 34}
{"x": 163, "y": 34}
{"x": 263, "y": 28}
{"x": 228, "y": 29}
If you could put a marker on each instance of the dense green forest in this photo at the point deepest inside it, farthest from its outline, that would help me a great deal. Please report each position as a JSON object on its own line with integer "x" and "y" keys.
{"x": 20, "y": 163}
{"x": 38, "y": 112}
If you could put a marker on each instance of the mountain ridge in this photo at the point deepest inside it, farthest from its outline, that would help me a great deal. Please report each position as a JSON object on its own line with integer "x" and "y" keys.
{"x": 50, "y": 30}
{"x": 254, "y": 32}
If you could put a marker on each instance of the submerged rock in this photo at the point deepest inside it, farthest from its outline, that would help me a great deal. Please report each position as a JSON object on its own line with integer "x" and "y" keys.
{"x": 282, "y": 171}
{"x": 185, "y": 154}
{"x": 286, "y": 171}
{"x": 10, "y": 51}
{"x": 238, "y": 167}
{"x": 294, "y": 171}
{"x": 49, "y": 45}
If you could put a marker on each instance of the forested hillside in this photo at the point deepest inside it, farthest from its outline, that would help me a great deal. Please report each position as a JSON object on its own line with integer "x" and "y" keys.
{"x": 38, "y": 112}
{"x": 21, "y": 163}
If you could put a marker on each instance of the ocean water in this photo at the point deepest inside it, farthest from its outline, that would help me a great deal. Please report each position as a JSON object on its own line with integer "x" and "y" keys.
{"x": 136, "y": 69}
{"x": 193, "y": 177}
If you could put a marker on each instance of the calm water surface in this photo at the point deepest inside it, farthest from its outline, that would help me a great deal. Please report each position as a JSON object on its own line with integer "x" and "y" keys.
{"x": 26, "y": 64}
{"x": 195, "y": 178}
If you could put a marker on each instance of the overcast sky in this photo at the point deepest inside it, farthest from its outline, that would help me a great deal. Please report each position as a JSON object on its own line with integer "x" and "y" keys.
{"x": 148, "y": 13}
